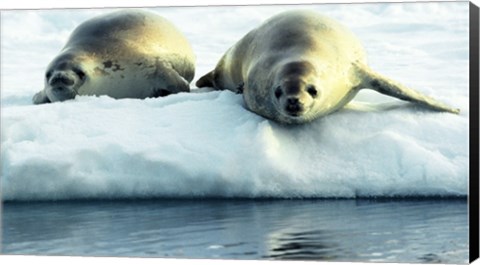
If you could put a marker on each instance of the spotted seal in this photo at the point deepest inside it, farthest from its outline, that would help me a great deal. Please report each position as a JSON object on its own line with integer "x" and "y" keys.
{"x": 124, "y": 54}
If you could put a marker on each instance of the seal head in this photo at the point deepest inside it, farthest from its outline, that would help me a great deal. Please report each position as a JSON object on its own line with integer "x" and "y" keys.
{"x": 63, "y": 78}
{"x": 295, "y": 91}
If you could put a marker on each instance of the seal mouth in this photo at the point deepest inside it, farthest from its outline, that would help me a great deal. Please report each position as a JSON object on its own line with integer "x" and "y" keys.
{"x": 61, "y": 93}
{"x": 59, "y": 89}
{"x": 293, "y": 107}
{"x": 296, "y": 114}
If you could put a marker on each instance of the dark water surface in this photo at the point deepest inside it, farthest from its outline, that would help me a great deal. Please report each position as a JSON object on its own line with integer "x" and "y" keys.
{"x": 426, "y": 231}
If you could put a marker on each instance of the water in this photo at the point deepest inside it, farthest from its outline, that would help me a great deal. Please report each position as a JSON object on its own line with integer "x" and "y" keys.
{"x": 426, "y": 231}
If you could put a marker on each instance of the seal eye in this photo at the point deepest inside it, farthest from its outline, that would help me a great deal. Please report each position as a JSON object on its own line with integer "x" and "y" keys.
{"x": 278, "y": 92}
{"x": 48, "y": 75}
{"x": 312, "y": 91}
{"x": 79, "y": 73}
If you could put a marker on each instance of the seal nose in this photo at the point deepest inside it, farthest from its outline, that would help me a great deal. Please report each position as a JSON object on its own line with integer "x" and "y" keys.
{"x": 61, "y": 80}
{"x": 293, "y": 105}
{"x": 292, "y": 101}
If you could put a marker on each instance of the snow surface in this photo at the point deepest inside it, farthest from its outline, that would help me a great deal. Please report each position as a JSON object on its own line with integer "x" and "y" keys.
{"x": 206, "y": 144}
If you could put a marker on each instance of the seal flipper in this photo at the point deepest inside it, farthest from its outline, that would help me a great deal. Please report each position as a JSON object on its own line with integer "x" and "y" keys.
{"x": 206, "y": 80}
{"x": 40, "y": 98}
{"x": 375, "y": 81}
{"x": 170, "y": 82}
{"x": 180, "y": 84}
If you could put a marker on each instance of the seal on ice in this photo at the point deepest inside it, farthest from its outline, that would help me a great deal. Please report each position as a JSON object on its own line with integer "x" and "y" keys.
{"x": 299, "y": 66}
{"x": 124, "y": 54}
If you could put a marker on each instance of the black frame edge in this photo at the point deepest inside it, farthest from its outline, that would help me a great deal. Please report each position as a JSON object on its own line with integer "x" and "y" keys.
{"x": 474, "y": 133}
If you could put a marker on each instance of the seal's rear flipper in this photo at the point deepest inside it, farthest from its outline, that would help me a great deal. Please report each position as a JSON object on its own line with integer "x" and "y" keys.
{"x": 40, "y": 98}
{"x": 206, "y": 80}
{"x": 170, "y": 82}
{"x": 373, "y": 80}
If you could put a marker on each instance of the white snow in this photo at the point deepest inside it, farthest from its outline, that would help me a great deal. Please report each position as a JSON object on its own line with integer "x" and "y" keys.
{"x": 206, "y": 144}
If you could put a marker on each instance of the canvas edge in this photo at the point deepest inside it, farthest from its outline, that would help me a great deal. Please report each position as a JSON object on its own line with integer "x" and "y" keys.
{"x": 474, "y": 131}
{"x": 474, "y": 185}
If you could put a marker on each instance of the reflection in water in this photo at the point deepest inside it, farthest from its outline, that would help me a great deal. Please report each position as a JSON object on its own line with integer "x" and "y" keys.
{"x": 342, "y": 230}
{"x": 308, "y": 245}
